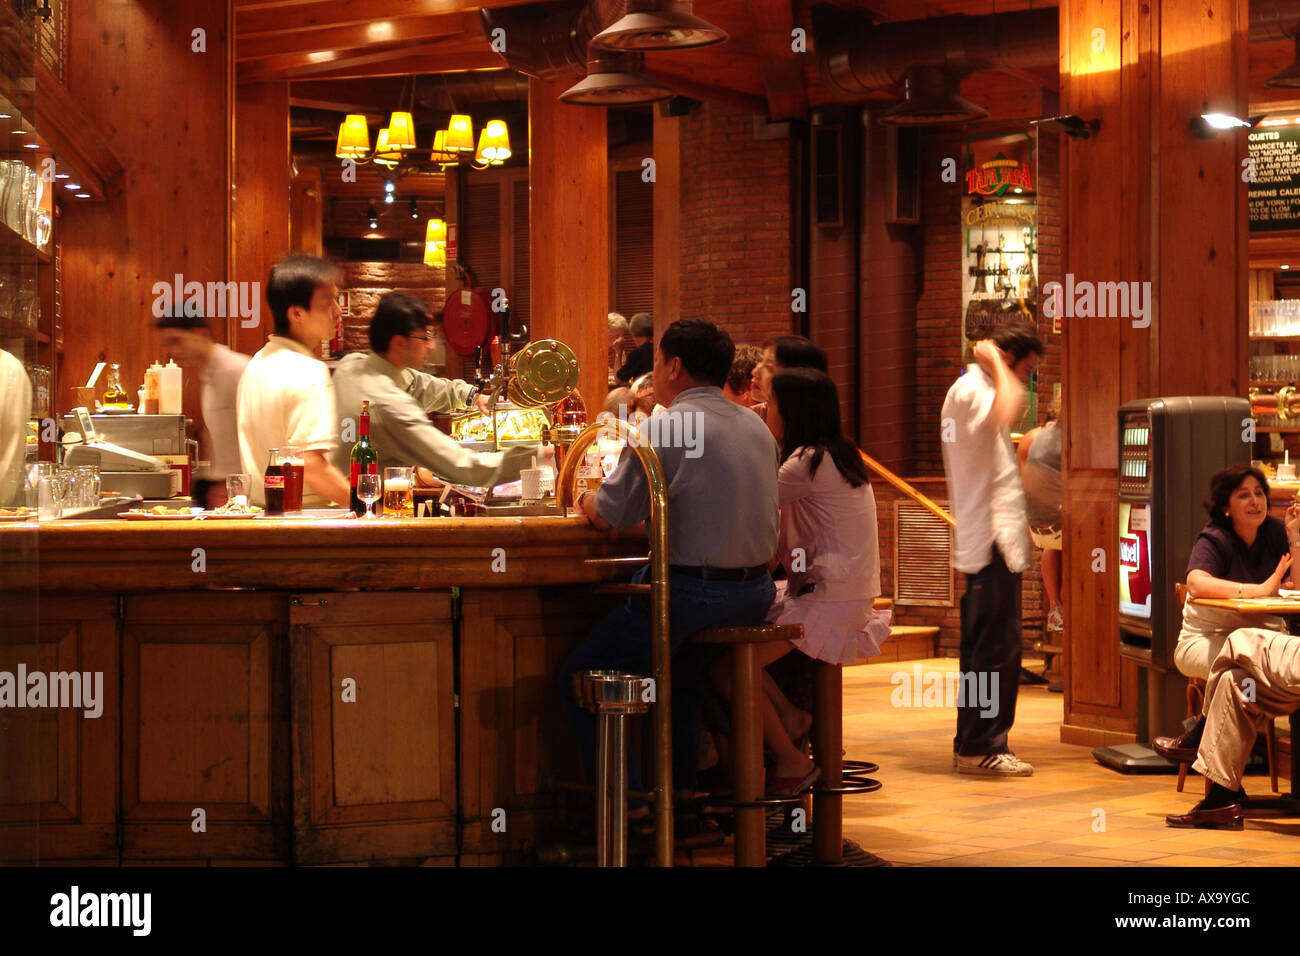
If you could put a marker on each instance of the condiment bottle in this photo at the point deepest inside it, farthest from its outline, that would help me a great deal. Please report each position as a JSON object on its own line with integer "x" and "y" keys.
{"x": 152, "y": 388}
{"x": 170, "y": 389}
{"x": 114, "y": 397}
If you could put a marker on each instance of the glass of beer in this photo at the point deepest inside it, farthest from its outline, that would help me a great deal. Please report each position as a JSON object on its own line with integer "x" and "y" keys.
{"x": 294, "y": 467}
{"x": 399, "y": 499}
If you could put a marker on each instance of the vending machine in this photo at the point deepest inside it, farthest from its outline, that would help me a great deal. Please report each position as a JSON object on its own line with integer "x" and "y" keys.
{"x": 1169, "y": 448}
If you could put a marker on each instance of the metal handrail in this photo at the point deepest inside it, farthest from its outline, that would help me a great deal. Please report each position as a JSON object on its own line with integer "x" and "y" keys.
{"x": 906, "y": 489}
{"x": 660, "y": 635}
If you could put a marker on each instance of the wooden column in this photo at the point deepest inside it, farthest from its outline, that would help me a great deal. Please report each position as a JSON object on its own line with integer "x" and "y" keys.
{"x": 1145, "y": 201}
{"x": 305, "y": 212}
{"x": 667, "y": 221}
{"x": 261, "y": 205}
{"x": 569, "y": 222}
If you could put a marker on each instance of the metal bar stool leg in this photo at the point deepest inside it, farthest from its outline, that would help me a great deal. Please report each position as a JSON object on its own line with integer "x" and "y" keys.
{"x": 828, "y": 751}
{"x": 746, "y": 730}
{"x": 619, "y": 812}
{"x": 603, "y": 783}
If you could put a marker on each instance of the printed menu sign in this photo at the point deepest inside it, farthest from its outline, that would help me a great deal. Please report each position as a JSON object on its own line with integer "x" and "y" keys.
{"x": 1275, "y": 193}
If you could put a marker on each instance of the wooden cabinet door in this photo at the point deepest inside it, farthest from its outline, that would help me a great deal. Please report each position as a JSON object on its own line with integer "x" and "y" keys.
{"x": 515, "y": 741}
{"x": 205, "y": 726}
{"x": 374, "y": 726}
{"x": 58, "y": 765}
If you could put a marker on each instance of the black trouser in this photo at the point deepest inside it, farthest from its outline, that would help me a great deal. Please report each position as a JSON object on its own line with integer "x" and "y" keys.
{"x": 990, "y": 644}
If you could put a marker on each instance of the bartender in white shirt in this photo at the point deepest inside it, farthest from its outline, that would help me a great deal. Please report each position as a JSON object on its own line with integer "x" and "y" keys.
{"x": 286, "y": 396}
{"x": 15, "y": 406}
{"x": 401, "y": 397}
{"x": 188, "y": 340}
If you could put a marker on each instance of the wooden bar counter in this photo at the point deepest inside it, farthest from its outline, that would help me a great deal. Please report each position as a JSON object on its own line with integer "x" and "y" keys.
{"x": 290, "y": 691}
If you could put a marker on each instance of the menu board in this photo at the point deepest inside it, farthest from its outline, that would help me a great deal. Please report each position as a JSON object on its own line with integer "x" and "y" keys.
{"x": 1275, "y": 193}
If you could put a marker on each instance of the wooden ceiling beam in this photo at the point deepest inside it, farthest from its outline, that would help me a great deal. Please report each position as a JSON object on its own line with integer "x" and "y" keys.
{"x": 452, "y": 55}
{"x": 685, "y": 86}
{"x": 779, "y": 66}
{"x": 263, "y": 19}
{"x": 405, "y": 30}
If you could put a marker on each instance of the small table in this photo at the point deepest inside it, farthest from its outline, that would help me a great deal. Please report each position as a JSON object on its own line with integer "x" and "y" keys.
{"x": 1287, "y": 803}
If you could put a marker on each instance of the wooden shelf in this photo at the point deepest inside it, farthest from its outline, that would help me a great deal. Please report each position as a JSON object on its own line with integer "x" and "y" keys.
{"x": 16, "y": 330}
{"x": 1275, "y": 338}
{"x": 1282, "y": 429}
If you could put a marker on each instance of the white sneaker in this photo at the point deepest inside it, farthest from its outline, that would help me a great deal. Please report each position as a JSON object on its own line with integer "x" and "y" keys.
{"x": 995, "y": 765}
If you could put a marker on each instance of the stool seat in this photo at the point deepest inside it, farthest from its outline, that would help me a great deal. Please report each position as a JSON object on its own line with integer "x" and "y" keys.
{"x": 755, "y": 634}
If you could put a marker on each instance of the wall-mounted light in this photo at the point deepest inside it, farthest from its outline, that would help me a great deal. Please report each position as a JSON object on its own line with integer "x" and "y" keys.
{"x": 415, "y": 210}
{"x": 1208, "y": 125}
{"x": 374, "y": 217}
{"x": 1075, "y": 127}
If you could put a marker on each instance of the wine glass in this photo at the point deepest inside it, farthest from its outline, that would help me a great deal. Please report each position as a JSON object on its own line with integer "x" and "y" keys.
{"x": 368, "y": 490}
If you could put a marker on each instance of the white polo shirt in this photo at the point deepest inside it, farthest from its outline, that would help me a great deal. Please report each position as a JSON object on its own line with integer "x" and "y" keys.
{"x": 220, "y": 378}
{"x": 984, "y": 487}
{"x": 286, "y": 397}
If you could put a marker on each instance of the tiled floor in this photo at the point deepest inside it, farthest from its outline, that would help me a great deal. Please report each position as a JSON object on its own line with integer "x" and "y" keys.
{"x": 1071, "y": 812}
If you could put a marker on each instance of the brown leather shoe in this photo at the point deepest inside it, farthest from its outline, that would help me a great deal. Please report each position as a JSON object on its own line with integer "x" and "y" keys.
{"x": 1168, "y": 747}
{"x": 1220, "y": 818}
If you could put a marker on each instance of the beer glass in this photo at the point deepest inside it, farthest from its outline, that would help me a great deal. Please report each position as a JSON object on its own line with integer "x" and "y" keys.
{"x": 294, "y": 467}
{"x": 368, "y": 491}
{"x": 399, "y": 499}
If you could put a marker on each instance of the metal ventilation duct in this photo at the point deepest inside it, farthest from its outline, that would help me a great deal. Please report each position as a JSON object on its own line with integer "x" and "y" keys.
{"x": 932, "y": 97}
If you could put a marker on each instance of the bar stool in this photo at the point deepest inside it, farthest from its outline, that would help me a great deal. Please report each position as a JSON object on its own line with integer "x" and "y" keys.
{"x": 612, "y": 696}
{"x": 828, "y": 750}
{"x": 747, "y": 732}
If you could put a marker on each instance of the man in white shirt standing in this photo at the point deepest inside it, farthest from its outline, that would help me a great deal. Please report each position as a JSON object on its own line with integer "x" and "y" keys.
{"x": 188, "y": 339}
{"x": 286, "y": 396}
{"x": 991, "y": 547}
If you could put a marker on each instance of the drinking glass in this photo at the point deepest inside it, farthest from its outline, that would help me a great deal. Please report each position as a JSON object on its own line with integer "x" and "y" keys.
{"x": 399, "y": 499}
{"x": 237, "y": 487}
{"x": 368, "y": 487}
{"x": 291, "y": 458}
{"x": 86, "y": 482}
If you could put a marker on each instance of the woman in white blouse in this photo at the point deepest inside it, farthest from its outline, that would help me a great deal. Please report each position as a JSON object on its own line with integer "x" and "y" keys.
{"x": 828, "y": 545}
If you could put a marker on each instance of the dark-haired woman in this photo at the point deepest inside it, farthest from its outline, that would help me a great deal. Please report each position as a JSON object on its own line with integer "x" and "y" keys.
{"x": 1242, "y": 553}
{"x": 828, "y": 546}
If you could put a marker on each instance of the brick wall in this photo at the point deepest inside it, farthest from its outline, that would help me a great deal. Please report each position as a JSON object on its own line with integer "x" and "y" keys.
{"x": 735, "y": 226}
{"x": 369, "y": 281}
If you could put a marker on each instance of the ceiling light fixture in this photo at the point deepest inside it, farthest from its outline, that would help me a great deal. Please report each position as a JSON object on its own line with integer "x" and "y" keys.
{"x": 616, "y": 79}
{"x": 932, "y": 97}
{"x": 659, "y": 25}
{"x": 415, "y": 209}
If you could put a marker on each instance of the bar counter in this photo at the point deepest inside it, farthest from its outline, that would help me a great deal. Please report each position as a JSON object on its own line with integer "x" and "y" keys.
{"x": 281, "y": 691}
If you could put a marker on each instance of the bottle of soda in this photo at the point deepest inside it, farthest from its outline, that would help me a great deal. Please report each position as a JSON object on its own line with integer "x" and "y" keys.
{"x": 273, "y": 481}
{"x": 364, "y": 461}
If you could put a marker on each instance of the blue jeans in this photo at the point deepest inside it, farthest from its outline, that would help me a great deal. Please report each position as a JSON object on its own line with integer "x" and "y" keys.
{"x": 622, "y": 642}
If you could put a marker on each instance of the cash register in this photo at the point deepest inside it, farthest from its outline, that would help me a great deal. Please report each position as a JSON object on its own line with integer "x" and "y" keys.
{"x": 121, "y": 469}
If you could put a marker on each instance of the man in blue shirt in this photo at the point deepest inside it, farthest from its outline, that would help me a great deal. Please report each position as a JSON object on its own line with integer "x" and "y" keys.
{"x": 720, "y": 463}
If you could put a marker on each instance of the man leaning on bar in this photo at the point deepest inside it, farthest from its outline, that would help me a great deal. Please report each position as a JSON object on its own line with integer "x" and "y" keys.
{"x": 401, "y": 397}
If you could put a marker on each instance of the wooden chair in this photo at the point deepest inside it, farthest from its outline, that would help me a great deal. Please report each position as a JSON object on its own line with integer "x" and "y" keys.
{"x": 1196, "y": 703}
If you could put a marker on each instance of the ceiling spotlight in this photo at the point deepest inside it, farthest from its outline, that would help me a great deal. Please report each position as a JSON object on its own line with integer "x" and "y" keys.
{"x": 62, "y": 176}
{"x": 83, "y": 195}
{"x": 1284, "y": 266}
{"x": 415, "y": 210}
{"x": 374, "y": 217}
{"x": 389, "y": 186}
{"x": 72, "y": 185}
{"x": 388, "y": 198}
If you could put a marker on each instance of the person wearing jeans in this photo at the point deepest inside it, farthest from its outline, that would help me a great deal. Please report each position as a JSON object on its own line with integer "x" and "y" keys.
{"x": 719, "y": 462}
{"x": 991, "y": 545}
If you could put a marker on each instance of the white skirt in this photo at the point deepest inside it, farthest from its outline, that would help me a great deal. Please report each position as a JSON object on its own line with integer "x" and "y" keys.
{"x": 838, "y": 632}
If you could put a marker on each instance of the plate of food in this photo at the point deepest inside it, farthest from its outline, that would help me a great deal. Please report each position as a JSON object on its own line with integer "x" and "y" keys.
{"x": 233, "y": 510}
{"x": 17, "y": 514}
{"x": 161, "y": 513}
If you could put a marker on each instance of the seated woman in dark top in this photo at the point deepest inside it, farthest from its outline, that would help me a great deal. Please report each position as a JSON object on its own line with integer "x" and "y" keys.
{"x": 1242, "y": 553}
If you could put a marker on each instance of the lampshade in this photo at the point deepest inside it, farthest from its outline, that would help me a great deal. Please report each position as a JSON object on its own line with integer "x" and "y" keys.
{"x": 615, "y": 79}
{"x": 460, "y": 134}
{"x": 435, "y": 254}
{"x": 494, "y": 143}
{"x": 385, "y": 153}
{"x": 659, "y": 25}
{"x": 435, "y": 231}
{"x": 440, "y": 152}
{"x": 354, "y": 137}
{"x": 401, "y": 131}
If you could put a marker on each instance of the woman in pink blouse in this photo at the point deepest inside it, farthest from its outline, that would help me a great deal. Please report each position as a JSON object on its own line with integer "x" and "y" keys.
{"x": 828, "y": 547}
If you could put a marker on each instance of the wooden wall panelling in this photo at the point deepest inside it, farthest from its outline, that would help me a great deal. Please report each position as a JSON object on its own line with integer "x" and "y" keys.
{"x": 667, "y": 221}
{"x": 261, "y": 202}
{"x": 569, "y": 221}
{"x": 1172, "y": 210}
{"x": 173, "y": 139}
{"x": 305, "y": 212}
{"x": 60, "y": 765}
{"x": 205, "y": 725}
{"x": 516, "y": 743}
{"x": 373, "y": 778}
{"x": 631, "y": 239}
